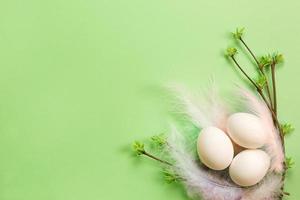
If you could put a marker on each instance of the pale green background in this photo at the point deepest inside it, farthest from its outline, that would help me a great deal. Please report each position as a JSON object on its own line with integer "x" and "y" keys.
{"x": 79, "y": 80}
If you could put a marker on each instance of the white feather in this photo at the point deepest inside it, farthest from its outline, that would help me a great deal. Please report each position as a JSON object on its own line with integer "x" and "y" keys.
{"x": 205, "y": 184}
{"x": 202, "y": 183}
{"x": 198, "y": 181}
{"x": 203, "y": 112}
{"x": 268, "y": 189}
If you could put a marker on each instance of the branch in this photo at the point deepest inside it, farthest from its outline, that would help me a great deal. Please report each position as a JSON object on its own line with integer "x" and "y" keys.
{"x": 274, "y": 87}
{"x": 156, "y": 158}
{"x": 252, "y": 54}
{"x": 253, "y": 83}
{"x": 274, "y": 116}
{"x": 139, "y": 149}
{"x": 246, "y": 75}
{"x": 260, "y": 69}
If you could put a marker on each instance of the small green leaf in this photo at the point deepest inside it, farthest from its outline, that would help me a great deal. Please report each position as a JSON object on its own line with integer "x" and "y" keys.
{"x": 159, "y": 140}
{"x": 266, "y": 61}
{"x": 239, "y": 32}
{"x": 261, "y": 81}
{"x": 170, "y": 176}
{"x": 231, "y": 51}
{"x": 138, "y": 147}
{"x": 278, "y": 58}
{"x": 289, "y": 162}
{"x": 287, "y": 128}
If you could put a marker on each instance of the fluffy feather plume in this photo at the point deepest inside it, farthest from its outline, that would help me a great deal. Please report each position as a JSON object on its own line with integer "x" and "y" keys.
{"x": 273, "y": 145}
{"x": 209, "y": 185}
{"x": 198, "y": 181}
{"x": 203, "y": 112}
{"x": 268, "y": 189}
{"x": 203, "y": 183}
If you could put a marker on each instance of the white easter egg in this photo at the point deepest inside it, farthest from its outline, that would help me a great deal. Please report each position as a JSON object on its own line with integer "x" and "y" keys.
{"x": 249, "y": 167}
{"x": 215, "y": 149}
{"x": 246, "y": 130}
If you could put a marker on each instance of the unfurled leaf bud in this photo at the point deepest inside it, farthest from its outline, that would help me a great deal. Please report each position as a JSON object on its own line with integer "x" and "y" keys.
{"x": 138, "y": 148}
{"x": 239, "y": 32}
{"x": 261, "y": 81}
{"x": 231, "y": 51}
{"x": 287, "y": 128}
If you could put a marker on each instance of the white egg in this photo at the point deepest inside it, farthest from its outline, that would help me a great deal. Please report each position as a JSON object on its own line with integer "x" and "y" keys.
{"x": 249, "y": 167}
{"x": 246, "y": 130}
{"x": 215, "y": 149}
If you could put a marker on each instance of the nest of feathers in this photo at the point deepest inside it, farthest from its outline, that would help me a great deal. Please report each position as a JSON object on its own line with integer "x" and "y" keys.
{"x": 210, "y": 109}
{"x": 208, "y": 184}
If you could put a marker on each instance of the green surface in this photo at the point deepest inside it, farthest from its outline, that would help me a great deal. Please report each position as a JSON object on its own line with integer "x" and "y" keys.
{"x": 79, "y": 80}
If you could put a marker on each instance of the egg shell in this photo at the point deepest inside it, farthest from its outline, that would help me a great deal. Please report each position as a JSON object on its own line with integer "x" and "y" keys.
{"x": 215, "y": 148}
{"x": 246, "y": 130}
{"x": 249, "y": 167}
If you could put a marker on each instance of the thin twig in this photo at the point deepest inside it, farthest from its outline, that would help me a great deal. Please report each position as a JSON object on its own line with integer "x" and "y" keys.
{"x": 274, "y": 87}
{"x": 273, "y": 103}
{"x": 273, "y": 106}
{"x": 254, "y": 57}
{"x": 243, "y": 71}
{"x": 156, "y": 158}
{"x": 253, "y": 83}
{"x": 260, "y": 69}
{"x": 268, "y": 88}
{"x": 274, "y": 116}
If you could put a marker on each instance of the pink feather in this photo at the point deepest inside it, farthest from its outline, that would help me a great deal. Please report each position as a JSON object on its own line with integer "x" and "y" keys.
{"x": 209, "y": 185}
{"x": 273, "y": 145}
{"x": 268, "y": 189}
{"x": 199, "y": 181}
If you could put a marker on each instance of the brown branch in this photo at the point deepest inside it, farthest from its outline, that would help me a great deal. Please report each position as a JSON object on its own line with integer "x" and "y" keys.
{"x": 253, "y": 83}
{"x": 274, "y": 116}
{"x": 260, "y": 69}
{"x": 268, "y": 88}
{"x": 274, "y": 87}
{"x": 252, "y": 54}
{"x": 273, "y": 104}
{"x": 156, "y": 158}
{"x": 243, "y": 71}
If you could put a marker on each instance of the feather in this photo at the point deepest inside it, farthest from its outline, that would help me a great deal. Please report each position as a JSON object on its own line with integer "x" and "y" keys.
{"x": 206, "y": 184}
{"x": 198, "y": 181}
{"x": 273, "y": 146}
{"x": 203, "y": 112}
{"x": 268, "y": 189}
{"x": 203, "y": 183}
